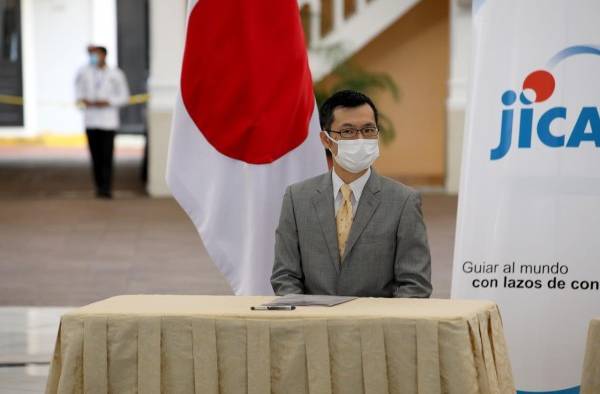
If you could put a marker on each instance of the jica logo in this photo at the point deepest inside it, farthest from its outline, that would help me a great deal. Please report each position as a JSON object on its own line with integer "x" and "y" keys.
{"x": 538, "y": 86}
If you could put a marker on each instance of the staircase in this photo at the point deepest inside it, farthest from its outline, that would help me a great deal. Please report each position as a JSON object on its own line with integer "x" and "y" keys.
{"x": 349, "y": 26}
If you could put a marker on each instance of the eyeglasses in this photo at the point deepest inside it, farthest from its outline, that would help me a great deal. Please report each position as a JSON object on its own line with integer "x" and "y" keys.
{"x": 349, "y": 133}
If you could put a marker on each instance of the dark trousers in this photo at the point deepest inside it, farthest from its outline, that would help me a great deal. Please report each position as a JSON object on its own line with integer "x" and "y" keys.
{"x": 101, "y": 144}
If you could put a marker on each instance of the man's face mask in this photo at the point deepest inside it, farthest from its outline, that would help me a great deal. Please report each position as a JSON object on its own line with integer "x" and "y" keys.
{"x": 356, "y": 155}
{"x": 93, "y": 59}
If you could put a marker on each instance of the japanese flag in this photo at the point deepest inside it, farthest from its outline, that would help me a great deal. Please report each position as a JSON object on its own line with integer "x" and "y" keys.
{"x": 245, "y": 126}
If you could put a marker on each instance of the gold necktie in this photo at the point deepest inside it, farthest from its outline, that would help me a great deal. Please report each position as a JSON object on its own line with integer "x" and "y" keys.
{"x": 344, "y": 219}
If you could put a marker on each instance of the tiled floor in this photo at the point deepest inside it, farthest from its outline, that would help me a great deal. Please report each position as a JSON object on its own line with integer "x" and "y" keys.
{"x": 27, "y": 337}
{"x": 34, "y": 172}
{"x": 27, "y": 334}
{"x": 23, "y": 380}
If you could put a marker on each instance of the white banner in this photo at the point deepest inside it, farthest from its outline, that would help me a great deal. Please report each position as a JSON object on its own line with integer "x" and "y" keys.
{"x": 528, "y": 230}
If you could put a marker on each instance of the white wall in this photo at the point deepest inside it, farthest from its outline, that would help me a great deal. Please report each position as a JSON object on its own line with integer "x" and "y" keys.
{"x": 61, "y": 33}
{"x": 55, "y": 36}
{"x": 104, "y": 27}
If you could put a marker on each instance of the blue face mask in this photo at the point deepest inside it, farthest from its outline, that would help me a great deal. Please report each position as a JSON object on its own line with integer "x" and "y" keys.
{"x": 93, "y": 59}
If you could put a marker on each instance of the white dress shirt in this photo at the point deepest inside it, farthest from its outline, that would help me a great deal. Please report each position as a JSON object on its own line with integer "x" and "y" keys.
{"x": 102, "y": 84}
{"x": 357, "y": 188}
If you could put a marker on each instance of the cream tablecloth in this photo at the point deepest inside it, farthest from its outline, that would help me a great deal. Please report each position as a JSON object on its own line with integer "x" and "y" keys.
{"x": 590, "y": 381}
{"x": 216, "y": 344}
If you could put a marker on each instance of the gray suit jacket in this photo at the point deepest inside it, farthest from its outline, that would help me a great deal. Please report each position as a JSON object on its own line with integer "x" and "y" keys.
{"x": 386, "y": 254}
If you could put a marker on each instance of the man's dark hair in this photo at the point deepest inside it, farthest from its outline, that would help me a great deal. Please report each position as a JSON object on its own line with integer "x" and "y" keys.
{"x": 101, "y": 49}
{"x": 346, "y": 99}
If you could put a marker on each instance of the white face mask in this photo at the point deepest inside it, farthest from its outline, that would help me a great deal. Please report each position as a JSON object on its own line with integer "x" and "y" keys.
{"x": 356, "y": 155}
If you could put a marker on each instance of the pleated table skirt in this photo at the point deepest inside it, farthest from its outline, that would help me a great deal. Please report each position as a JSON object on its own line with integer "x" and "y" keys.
{"x": 204, "y": 344}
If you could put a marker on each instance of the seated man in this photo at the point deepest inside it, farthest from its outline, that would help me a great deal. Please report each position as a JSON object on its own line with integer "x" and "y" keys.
{"x": 350, "y": 231}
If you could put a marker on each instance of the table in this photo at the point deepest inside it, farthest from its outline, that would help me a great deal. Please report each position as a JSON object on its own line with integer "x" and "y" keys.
{"x": 216, "y": 344}
{"x": 590, "y": 380}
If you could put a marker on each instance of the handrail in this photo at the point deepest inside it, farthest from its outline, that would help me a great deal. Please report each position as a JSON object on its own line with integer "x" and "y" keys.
{"x": 338, "y": 13}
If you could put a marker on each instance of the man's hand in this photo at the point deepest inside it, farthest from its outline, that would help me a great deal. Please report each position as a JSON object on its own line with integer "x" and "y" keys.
{"x": 101, "y": 103}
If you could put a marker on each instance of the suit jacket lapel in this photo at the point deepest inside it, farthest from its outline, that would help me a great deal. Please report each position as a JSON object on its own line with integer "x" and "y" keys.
{"x": 368, "y": 203}
{"x": 323, "y": 204}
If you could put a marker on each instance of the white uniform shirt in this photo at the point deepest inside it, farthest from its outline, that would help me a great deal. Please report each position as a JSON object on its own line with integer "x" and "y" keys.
{"x": 357, "y": 188}
{"x": 102, "y": 84}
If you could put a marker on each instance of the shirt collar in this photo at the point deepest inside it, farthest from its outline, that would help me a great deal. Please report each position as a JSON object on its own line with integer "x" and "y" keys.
{"x": 357, "y": 186}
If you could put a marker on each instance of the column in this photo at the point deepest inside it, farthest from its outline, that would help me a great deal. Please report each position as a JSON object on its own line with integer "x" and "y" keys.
{"x": 167, "y": 37}
{"x": 458, "y": 88}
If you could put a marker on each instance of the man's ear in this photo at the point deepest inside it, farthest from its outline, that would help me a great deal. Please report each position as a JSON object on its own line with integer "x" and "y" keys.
{"x": 324, "y": 140}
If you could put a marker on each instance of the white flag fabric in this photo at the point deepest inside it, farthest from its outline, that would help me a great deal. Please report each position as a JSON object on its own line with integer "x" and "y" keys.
{"x": 529, "y": 204}
{"x": 245, "y": 126}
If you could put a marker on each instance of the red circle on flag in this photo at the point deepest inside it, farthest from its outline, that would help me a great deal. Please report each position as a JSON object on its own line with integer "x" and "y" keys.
{"x": 245, "y": 80}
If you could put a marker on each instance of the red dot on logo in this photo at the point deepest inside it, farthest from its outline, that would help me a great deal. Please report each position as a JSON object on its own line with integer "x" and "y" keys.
{"x": 542, "y": 82}
{"x": 245, "y": 80}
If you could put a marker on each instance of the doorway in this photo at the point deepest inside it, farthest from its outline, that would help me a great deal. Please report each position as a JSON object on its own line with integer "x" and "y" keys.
{"x": 11, "y": 76}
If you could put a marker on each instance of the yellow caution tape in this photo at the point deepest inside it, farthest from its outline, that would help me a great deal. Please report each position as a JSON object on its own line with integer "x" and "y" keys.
{"x": 139, "y": 99}
{"x": 47, "y": 140}
{"x": 11, "y": 100}
{"x": 16, "y": 100}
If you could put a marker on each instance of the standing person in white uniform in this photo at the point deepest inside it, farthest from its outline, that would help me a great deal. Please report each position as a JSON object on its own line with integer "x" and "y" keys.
{"x": 101, "y": 90}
